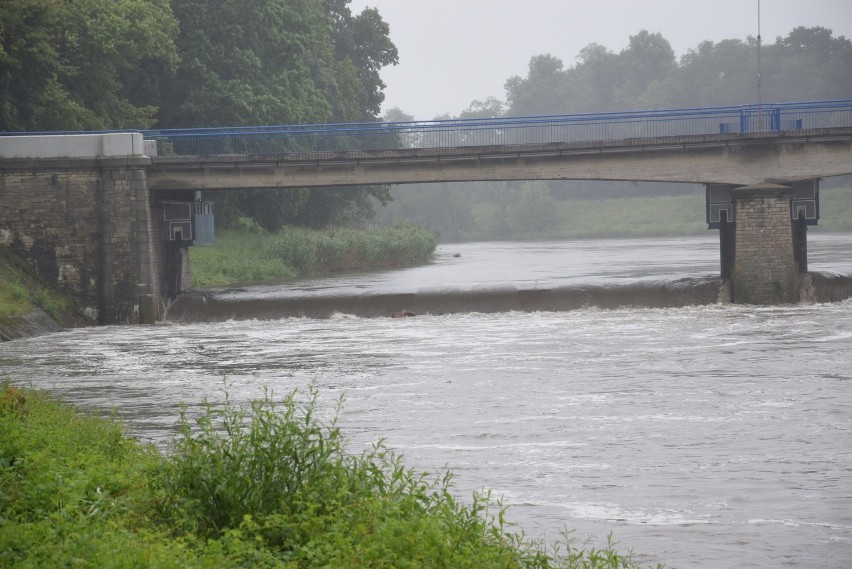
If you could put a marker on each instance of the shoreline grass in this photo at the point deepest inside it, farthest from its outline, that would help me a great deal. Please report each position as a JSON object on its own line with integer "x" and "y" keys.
{"x": 22, "y": 292}
{"x": 249, "y": 254}
{"x": 269, "y": 485}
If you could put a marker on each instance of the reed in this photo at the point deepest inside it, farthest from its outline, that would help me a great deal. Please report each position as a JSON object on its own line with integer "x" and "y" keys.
{"x": 252, "y": 255}
{"x": 264, "y": 485}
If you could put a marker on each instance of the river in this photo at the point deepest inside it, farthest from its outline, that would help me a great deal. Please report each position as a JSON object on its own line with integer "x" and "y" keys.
{"x": 710, "y": 436}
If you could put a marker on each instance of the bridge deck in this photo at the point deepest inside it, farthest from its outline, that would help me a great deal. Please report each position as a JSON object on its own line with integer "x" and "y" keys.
{"x": 719, "y": 158}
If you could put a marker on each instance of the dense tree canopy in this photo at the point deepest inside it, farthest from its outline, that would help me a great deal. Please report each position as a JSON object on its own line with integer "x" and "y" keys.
{"x": 279, "y": 62}
{"x": 108, "y": 64}
{"x": 87, "y": 64}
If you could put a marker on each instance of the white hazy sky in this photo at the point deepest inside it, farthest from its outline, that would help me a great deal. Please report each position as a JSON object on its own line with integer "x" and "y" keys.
{"x": 454, "y": 51}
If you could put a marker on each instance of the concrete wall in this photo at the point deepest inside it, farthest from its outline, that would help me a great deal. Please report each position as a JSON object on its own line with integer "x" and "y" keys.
{"x": 765, "y": 271}
{"x": 72, "y": 145}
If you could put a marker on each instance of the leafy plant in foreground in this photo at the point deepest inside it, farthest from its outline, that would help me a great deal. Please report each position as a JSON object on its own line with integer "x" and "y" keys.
{"x": 276, "y": 476}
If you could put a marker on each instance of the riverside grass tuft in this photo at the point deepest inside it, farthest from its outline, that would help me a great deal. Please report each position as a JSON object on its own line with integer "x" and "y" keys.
{"x": 268, "y": 485}
{"x": 249, "y": 254}
{"x": 21, "y": 291}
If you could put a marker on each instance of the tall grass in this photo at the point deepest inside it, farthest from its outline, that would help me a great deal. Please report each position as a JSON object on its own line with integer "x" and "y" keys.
{"x": 252, "y": 255}
{"x": 336, "y": 249}
{"x": 264, "y": 485}
{"x": 21, "y": 290}
{"x": 14, "y": 298}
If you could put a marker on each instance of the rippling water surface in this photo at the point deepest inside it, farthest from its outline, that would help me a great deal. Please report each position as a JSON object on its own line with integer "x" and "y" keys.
{"x": 713, "y": 437}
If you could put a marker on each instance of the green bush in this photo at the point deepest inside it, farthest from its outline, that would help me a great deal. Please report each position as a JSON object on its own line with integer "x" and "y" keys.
{"x": 264, "y": 485}
{"x": 315, "y": 252}
{"x": 252, "y": 255}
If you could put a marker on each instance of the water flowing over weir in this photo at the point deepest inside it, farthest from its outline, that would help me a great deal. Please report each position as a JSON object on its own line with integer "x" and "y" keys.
{"x": 503, "y": 277}
{"x": 709, "y": 436}
{"x": 227, "y": 305}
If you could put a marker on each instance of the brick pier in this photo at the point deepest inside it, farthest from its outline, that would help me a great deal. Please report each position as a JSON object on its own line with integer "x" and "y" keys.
{"x": 765, "y": 270}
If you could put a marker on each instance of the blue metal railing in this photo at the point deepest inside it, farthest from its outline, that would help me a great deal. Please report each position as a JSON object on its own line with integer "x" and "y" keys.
{"x": 505, "y": 130}
{"x": 592, "y": 128}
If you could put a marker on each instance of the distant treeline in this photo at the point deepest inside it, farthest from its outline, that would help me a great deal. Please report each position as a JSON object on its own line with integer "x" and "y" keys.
{"x": 808, "y": 64}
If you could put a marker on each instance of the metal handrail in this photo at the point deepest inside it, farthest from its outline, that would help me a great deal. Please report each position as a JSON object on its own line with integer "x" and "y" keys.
{"x": 609, "y": 126}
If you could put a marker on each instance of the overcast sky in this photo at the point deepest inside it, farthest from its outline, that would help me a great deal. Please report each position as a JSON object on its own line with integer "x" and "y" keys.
{"x": 454, "y": 51}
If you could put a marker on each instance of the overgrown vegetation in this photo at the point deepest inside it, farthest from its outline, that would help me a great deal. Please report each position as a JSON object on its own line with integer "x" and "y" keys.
{"x": 270, "y": 485}
{"x": 251, "y": 254}
{"x": 21, "y": 291}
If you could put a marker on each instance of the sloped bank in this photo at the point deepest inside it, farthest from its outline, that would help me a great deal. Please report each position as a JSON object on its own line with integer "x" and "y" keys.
{"x": 31, "y": 307}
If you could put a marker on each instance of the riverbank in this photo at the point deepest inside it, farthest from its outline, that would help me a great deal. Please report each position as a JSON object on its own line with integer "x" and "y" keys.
{"x": 76, "y": 488}
{"x": 29, "y": 306}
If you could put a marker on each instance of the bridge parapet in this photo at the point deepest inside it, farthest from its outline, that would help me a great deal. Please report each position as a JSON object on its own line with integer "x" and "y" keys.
{"x": 75, "y": 146}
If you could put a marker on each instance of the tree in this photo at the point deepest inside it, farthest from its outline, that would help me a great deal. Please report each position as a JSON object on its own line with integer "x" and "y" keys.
{"x": 490, "y": 108}
{"x": 723, "y": 73}
{"x": 648, "y": 58}
{"x": 809, "y": 64}
{"x": 590, "y": 84}
{"x": 268, "y": 62}
{"x": 362, "y": 45}
{"x": 249, "y": 62}
{"x": 541, "y": 90}
{"x": 86, "y": 64}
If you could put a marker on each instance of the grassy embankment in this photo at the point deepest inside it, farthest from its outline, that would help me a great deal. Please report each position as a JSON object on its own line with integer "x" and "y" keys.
{"x": 252, "y": 255}
{"x": 266, "y": 486}
{"x": 21, "y": 291}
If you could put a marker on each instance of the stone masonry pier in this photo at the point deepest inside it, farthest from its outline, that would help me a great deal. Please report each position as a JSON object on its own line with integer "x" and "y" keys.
{"x": 765, "y": 269}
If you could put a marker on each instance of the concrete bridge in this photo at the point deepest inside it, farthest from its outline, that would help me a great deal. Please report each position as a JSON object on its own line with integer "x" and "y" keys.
{"x": 109, "y": 216}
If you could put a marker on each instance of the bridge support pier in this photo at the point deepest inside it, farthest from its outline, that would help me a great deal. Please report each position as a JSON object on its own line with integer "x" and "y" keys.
{"x": 77, "y": 208}
{"x": 765, "y": 268}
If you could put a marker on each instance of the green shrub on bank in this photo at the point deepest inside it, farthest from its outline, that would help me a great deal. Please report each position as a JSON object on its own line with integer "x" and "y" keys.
{"x": 314, "y": 252}
{"x": 250, "y": 254}
{"x": 269, "y": 485}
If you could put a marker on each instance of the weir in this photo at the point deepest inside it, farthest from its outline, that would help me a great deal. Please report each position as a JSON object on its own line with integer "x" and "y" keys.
{"x": 106, "y": 219}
